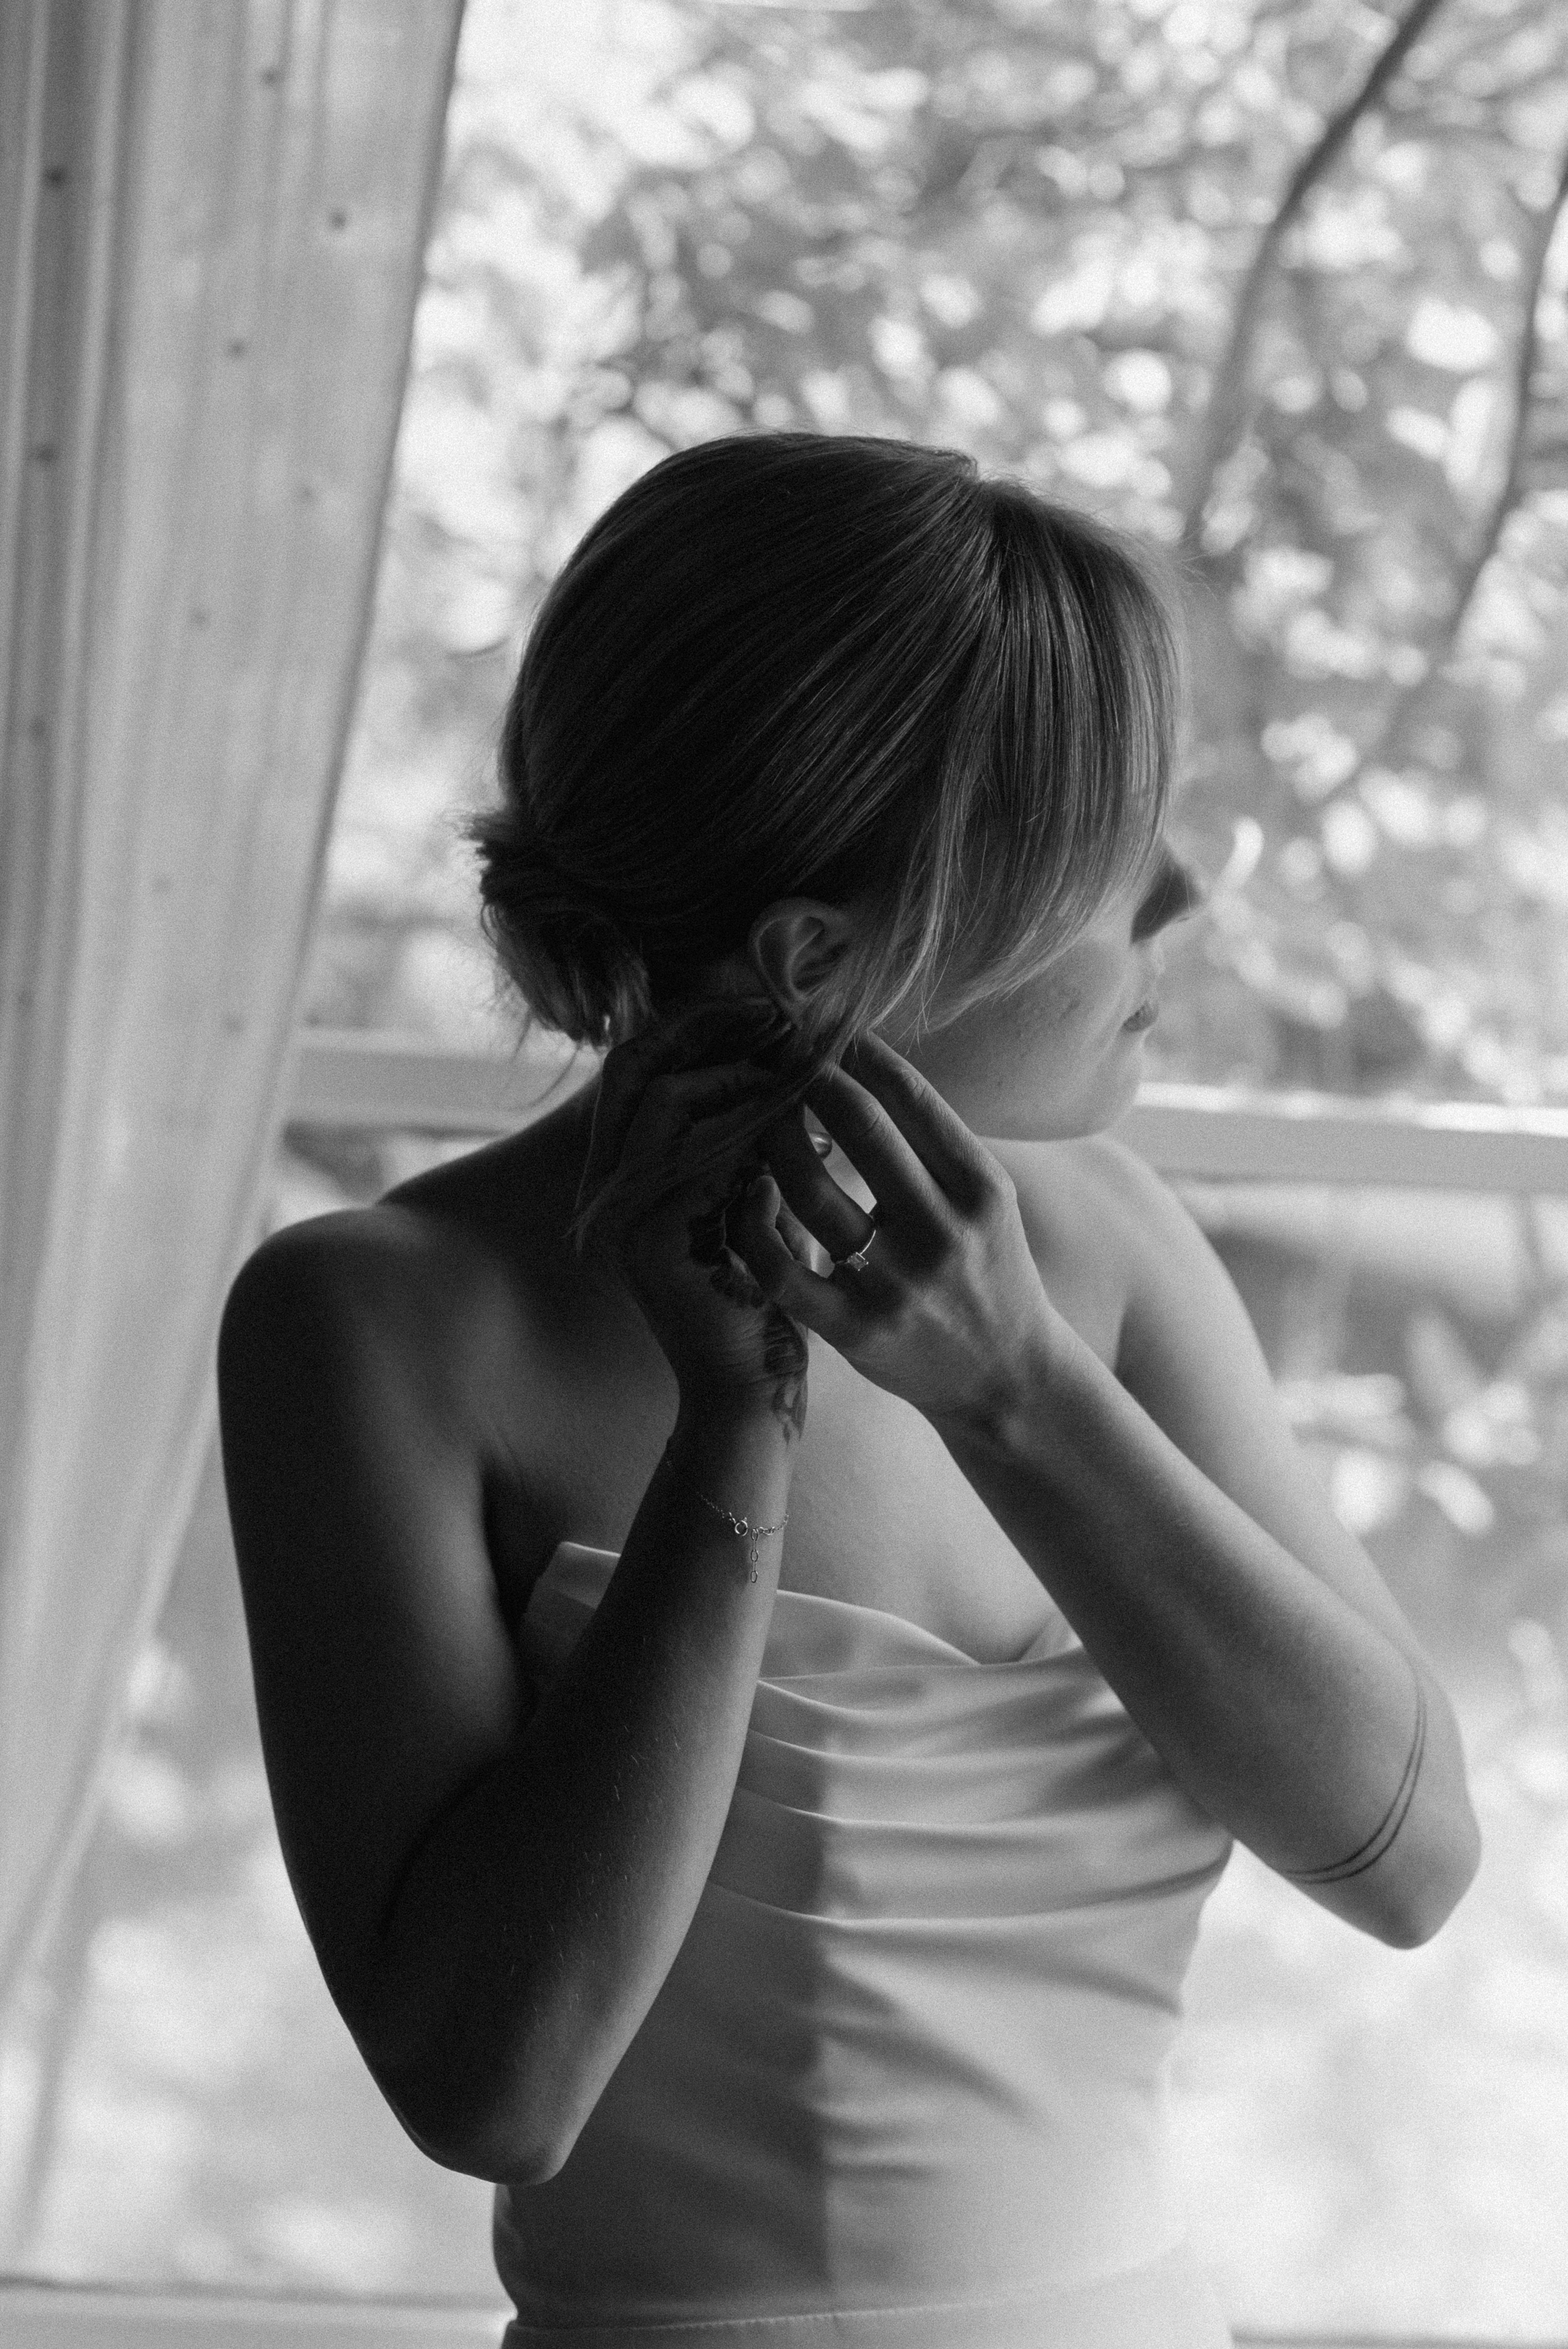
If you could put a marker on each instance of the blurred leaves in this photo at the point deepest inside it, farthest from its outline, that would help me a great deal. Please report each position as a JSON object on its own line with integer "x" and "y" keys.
{"x": 1212, "y": 268}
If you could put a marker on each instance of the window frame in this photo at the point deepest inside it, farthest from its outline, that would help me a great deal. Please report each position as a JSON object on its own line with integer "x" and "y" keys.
{"x": 372, "y": 1078}
{"x": 38, "y": 2315}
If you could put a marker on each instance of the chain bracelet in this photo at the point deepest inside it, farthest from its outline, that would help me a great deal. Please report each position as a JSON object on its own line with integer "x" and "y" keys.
{"x": 749, "y": 1533}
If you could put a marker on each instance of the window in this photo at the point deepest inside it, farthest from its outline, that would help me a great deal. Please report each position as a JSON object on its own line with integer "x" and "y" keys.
{"x": 1029, "y": 230}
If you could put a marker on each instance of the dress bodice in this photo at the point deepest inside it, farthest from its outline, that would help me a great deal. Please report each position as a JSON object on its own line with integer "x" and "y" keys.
{"x": 905, "y": 2081}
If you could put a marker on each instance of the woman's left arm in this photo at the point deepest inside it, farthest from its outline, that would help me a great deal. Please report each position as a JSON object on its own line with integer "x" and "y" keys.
{"x": 1171, "y": 1516}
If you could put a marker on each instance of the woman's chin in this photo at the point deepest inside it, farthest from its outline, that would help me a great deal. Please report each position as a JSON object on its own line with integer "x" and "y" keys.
{"x": 1103, "y": 1104}
{"x": 1117, "y": 1089}
{"x": 1130, "y": 1065}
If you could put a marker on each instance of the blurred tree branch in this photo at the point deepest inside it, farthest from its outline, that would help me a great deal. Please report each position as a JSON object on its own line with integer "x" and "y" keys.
{"x": 1225, "y": 419}
{"x": 1511, "y": 490}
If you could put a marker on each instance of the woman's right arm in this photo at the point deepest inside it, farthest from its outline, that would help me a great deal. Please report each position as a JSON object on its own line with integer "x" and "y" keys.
{"x": 495, "y": 1892}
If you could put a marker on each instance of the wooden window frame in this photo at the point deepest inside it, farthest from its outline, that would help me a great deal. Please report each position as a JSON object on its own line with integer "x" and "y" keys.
{"x": 372, "y": 1079}
{"x": 34, "y": 2315}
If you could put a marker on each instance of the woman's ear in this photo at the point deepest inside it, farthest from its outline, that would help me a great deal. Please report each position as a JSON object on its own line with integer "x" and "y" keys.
{"x": 795, "y": 945}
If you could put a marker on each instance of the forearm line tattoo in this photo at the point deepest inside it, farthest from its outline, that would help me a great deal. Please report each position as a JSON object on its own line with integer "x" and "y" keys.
{"x": 1369, "y": 1853}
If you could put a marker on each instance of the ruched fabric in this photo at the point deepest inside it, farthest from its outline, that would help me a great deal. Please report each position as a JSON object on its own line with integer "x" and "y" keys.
{"x": 905, "y": 2082}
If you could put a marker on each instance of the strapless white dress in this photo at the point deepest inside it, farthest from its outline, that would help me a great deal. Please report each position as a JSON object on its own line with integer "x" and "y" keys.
{"x": 904, "y": 2086}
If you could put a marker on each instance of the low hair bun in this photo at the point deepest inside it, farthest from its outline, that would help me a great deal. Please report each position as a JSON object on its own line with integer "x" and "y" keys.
{"x": 560, "y": 947}
{"x": 836, "y": 668}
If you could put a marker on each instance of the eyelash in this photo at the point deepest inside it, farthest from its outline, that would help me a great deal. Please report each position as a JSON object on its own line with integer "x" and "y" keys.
{"x": 1168, "y": 886}
{"x": 1143, "y": 921}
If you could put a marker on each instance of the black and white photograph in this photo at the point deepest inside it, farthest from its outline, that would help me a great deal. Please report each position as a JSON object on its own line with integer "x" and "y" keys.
{"x": 783, "y": 1175}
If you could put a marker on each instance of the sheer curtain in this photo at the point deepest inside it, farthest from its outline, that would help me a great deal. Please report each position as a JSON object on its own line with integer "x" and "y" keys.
{"x": 213, "y": 216}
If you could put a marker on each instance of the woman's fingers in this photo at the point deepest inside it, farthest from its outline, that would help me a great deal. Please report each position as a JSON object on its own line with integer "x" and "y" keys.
{"x": 908, "y": 1195}
{"x": 697, "y": 1032}
{"x": 678, "y": 1124}
{"x": 804, "y": 1246}
{"x": 696, "y": 1107}
{"x": 830, "y": 1216}
{"x": 966, "y": 1169}
{"x": 754, "y": 1234}
{"x": 631, "y": 1067}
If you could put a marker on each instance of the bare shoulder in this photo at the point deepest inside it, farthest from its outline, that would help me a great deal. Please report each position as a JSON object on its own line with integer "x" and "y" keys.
{"x": 399, "y": 1283}
{"x": 381, "y": 1236}
{"x": 392, "y": 1256}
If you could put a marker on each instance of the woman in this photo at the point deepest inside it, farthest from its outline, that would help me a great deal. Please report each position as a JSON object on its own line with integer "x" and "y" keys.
{"x": 793, "y": 1925}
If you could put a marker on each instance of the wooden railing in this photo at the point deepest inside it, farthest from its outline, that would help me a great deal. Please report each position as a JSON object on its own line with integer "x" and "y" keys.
{"x": 75, "y": 2316}
{"x": 346, "y": 1077}
{"x": 80, "y": 2316}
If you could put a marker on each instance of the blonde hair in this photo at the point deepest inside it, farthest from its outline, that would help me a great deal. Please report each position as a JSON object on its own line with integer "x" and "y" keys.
{"x": 795, "y": 664}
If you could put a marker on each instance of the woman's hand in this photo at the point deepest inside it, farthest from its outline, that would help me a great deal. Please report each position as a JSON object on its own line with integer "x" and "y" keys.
{"x": 950, "y": 1306}
{"x": 676, "y": 1233}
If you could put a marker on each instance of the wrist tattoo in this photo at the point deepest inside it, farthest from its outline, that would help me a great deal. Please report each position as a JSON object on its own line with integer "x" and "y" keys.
{"x": 786, "y": 1360}
{"x": 785, "y": 1356}
{"x": 709, "y": 1241}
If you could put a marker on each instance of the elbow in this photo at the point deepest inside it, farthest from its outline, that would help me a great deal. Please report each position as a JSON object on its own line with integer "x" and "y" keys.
{"x": 517, "y": 2149}
{"x": 519, "y": 2163}
{"x": 512, "y": 2141}
{"x": 459, "y": 2128}
{"x": 483, "y": 2110}
{"x": 515, "y": 2156}
{"x": 1434, "y": 1891}
{"x": 502, "y": 2151}
{"x": 502, "y": 2102}
{"x": 538, "y": 2169}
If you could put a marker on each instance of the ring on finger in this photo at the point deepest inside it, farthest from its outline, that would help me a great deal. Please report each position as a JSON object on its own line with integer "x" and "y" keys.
{"x": 856, "y": 1260}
